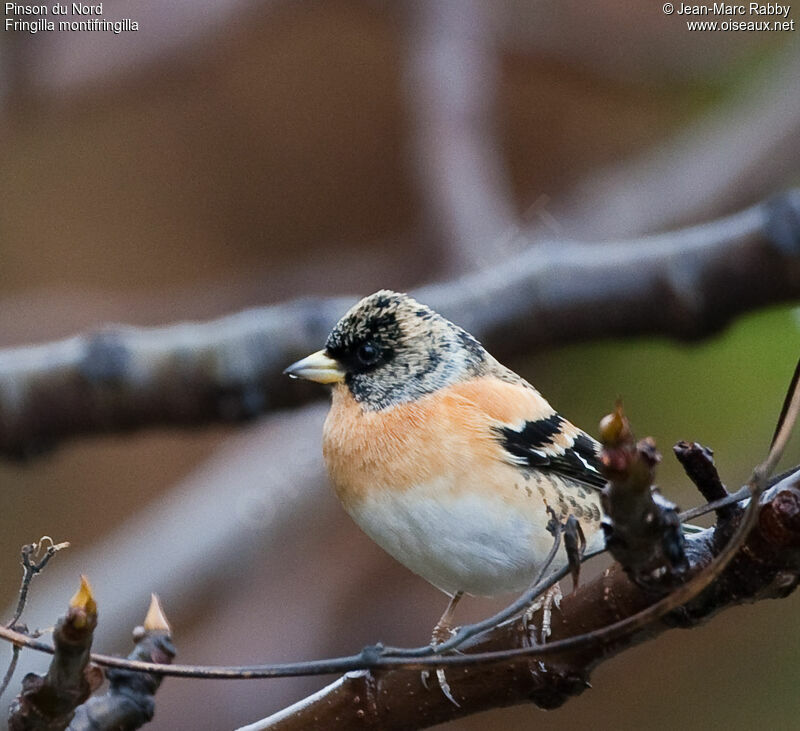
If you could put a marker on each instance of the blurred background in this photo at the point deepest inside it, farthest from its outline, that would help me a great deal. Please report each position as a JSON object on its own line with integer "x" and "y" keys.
{"x": 236, "y": 153}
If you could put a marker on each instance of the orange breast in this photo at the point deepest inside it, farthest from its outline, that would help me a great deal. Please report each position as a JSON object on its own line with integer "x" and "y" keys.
{"x": 445, "y": 433}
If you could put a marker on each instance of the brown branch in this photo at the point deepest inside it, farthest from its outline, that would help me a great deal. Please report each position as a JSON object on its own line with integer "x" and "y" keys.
{"x": 767, "y": 566}
{"x": 642, "y": 528}
{"x": 685, "y": 284}
{"x": 48, "y": 702}
{"x": 130, "y": 700}
{"x": 698, "y": 463}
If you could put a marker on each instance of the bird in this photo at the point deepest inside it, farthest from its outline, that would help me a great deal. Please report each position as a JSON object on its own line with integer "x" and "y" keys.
{"x": 447, "y": 459}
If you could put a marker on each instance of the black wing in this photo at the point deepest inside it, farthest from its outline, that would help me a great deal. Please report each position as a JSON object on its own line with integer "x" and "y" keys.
{"x": 532, "y": 446}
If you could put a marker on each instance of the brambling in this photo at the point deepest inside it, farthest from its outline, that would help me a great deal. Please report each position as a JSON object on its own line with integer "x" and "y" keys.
{"x": 446, "y": 458}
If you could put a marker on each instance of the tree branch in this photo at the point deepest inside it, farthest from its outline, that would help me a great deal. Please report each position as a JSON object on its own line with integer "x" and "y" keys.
{"x": 48, "y": 702}
{"x": 642, "y": 528}
{"x": 130, "y": 700}
{"x": 767, "y": 566}
{"x": 686, "y": 284}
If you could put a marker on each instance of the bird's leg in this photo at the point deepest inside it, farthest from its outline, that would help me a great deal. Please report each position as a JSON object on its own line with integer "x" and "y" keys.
{"x": 442, "y": 632}
{"x": 575, "y": 546}
{"x": 551, "y": 598}
{"x": 444, "y": 627}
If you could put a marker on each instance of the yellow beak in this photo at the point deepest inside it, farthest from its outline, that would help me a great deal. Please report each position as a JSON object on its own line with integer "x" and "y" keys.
{"x": 317, "y": 367}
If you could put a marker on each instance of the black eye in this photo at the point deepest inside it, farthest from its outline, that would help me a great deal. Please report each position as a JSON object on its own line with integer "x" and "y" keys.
{"x": 368, "y": 354}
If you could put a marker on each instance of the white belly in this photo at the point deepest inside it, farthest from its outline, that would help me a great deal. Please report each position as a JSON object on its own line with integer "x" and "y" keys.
{"x": 460, "y": 540}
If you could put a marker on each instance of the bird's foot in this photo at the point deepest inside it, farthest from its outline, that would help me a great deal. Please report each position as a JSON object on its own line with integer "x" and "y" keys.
{"x": 551, "y": 598}
{"x": 442, "y": 632}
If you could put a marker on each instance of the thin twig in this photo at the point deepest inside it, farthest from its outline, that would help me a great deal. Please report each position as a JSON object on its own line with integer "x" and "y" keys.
{"x": 786, "y": 403}
{"x": 29, "y": 570}
{"x": 735, "y": 497}
{"x": 373, "y": 658}
{"x": 786, "y": 422}
{"x": 12, "y": 666}
{"x": 370, "y": 658}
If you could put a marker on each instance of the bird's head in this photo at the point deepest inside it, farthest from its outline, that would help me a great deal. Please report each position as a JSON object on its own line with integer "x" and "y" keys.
{"x": 390, "y": 349}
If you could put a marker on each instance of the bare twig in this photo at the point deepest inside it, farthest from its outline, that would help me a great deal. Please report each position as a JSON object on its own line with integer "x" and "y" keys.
{"x": 755, "y": 575}
{"x": 378, "y": 657}
{"x": 787, "y": 404}
{"x": 12, "y": 666}
{"x": 698, "y": 463}
{"x": 685, "y": 284}
{"x": 715, "y": 506}
{"x": 29, "y": 570}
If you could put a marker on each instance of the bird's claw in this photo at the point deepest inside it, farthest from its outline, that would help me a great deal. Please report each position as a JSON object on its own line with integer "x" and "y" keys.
{"x": 443, "y": 684}
{"x": 442, "y": 632}
{"x": 551, "y": 598}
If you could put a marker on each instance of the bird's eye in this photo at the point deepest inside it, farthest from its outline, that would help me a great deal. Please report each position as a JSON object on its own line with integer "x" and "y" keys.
{"x": 368, "y": 354}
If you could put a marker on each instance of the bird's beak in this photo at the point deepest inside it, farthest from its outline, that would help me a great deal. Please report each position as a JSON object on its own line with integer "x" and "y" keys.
{"x": 317, "y": 367}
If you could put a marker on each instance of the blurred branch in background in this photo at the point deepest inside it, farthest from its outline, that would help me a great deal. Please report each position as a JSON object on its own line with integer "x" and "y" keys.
{"x": 686, "y": 284}
{"x": 722, "y": 160}
{"x": 451, "y": 80}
